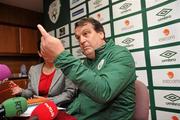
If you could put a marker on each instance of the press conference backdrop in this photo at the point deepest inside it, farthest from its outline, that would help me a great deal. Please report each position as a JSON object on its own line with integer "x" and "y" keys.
{"x": 150, "y": 29}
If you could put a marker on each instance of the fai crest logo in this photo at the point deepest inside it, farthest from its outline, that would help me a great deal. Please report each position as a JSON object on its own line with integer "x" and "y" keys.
{"x": 101, "y": 63}
{"x": 54, "y": 11}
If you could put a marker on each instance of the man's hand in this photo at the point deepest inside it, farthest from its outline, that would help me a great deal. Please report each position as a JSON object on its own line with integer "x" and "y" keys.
{"x": 51, "y": 47}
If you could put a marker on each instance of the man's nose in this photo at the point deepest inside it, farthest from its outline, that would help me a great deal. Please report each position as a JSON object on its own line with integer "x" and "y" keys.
{"x": 82, "y": 39}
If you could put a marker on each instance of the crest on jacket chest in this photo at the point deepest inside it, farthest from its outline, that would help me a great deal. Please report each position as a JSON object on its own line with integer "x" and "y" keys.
{"x": 101, "y": 63}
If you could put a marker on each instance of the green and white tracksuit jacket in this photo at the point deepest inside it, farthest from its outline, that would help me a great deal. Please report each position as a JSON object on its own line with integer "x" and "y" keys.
{"x": 106, "y": 84}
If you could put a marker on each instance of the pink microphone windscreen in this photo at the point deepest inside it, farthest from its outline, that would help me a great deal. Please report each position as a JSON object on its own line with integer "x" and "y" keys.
{"x": 5, "y": 72}
{"x": 45, "y": 111}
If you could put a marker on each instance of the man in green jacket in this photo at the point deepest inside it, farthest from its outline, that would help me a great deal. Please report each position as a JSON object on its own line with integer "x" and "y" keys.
{"x": 105, "y": 79}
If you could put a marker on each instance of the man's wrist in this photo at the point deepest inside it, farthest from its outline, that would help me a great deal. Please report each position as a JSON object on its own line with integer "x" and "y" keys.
{"x": 59, "y": 58}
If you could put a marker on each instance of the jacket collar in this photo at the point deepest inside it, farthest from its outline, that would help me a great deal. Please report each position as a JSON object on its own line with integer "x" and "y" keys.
{"x": 100, "y": 50}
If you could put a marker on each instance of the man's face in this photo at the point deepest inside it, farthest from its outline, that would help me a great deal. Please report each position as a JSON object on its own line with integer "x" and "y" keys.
{"x": 89, "y": 39}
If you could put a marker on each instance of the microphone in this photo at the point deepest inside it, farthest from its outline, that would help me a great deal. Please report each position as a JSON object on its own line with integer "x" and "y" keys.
{"x": 45, "y": 111}
{"x": 5, "y": 72}
{"x": 13, "y": 107}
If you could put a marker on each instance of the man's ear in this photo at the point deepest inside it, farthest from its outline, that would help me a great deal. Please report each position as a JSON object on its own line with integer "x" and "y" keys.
{"x": 101, "y": 34}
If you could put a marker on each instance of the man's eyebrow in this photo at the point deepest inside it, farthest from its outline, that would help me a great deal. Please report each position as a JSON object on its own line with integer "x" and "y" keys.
{"x": 76, "y": 36}
{"x": 85, "y": 30}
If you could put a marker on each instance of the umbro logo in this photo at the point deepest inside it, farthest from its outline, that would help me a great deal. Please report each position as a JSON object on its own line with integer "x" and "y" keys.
{"x": 168, "y": 54}
{"x": 164, "y": 12}
{"x": 172, "y": 97}
{"x": 125, "y": 6}
{"x": 128, "y": 40}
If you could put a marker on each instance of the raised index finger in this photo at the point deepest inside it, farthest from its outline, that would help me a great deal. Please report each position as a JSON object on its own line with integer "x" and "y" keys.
{"x": 42, "y": 30}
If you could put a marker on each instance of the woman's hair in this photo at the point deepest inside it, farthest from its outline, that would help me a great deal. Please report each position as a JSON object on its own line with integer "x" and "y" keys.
{"x": 39, "y": 45}
{"x": 39, "y": 50}
{"x": 97, "y": 25}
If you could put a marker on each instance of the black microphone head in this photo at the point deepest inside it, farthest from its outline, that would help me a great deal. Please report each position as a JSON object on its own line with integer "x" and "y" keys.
{"x": 2, "y": 111}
